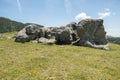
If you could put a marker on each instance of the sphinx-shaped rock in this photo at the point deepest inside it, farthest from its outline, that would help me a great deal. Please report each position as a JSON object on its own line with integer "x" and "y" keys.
{"x": 91, "y": 33}
{"x": 88, "y": 32}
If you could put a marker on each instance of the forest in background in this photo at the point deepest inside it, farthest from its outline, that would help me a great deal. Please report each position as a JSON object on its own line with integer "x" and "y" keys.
{"x": 8, "y": 25}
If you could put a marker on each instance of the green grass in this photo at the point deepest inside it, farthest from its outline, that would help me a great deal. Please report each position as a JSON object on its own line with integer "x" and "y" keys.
{"x": 32, "y": 61}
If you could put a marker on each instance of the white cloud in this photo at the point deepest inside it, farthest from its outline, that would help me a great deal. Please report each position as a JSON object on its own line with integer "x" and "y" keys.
{"x": 82, "y": 16}
{"x": 68, "y": 6}
{"x": 19, "y": 6}
{"x": 103, "y": 14}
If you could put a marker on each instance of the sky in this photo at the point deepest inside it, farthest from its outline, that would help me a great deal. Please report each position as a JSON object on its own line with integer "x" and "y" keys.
{"x": 54, "y": 13}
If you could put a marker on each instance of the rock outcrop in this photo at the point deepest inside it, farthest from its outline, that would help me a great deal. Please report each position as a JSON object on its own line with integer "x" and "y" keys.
{"x": 91, "y": 33}
{"x": 88, "y": 32}
{"x": 63, "y": 36}
{"x": 28, "y": 33}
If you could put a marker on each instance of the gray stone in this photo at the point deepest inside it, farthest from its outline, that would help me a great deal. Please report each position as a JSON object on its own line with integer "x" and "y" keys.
{"x": 91, "y": 33}
{"x": 73, "y": 28}
{"x": 46, "y": 41}
{"x": 46, "y": 32}
{"x": 88, "y": 32}
{"x": 28, "y": 33}
{"x": 72, "y": 25}
{"x": 22, "y": 36}
{"x": 63, "y": 36}
{"x": 34, "y": 41}
{"x": 32, "y": 31}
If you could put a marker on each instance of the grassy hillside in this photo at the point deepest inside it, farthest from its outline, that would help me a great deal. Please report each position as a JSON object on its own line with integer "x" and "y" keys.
{"x": 32, "y": 61}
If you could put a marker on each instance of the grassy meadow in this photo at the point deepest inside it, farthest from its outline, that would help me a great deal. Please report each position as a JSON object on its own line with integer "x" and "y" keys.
{"x": 33, "y": 61}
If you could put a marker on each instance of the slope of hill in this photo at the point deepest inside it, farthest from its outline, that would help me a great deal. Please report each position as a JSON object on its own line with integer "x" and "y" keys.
{"x": 113, "y": 39}
{"x": 31, "y": 61}
{"x": 7, "y": 25}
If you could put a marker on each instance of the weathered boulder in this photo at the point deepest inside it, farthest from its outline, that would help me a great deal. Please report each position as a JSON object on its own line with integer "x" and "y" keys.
{"x": 72, "y": 25}
{"x": 22, "y": 36}
{"x": 91, "y": 33}
{"x": 28, "y": 33}
{"x": 47, "y": 32}
{"x": 41, "y": 33}
{"x": 73, "y": 28}
{"x": 32, "y": 31}
{"x": 63, "y": 36}
{"x": 46, "y": 41}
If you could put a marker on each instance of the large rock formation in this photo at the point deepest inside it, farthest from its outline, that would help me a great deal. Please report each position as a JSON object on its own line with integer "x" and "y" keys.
{"x": 88, "y": 32}
{"x": 91, "y": 33}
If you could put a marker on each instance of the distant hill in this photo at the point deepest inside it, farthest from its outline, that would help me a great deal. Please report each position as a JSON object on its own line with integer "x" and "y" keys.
{"x": 113, "y": 39}
{"x": 8, "y": 25}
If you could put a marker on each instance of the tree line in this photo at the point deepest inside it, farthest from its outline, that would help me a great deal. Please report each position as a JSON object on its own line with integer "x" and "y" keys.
{"x": 8, "y": 25}
{"x": 113, "y": 39}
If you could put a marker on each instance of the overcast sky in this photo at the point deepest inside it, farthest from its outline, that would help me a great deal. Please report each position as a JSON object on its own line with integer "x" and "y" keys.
{"x": 61, "y": 12}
